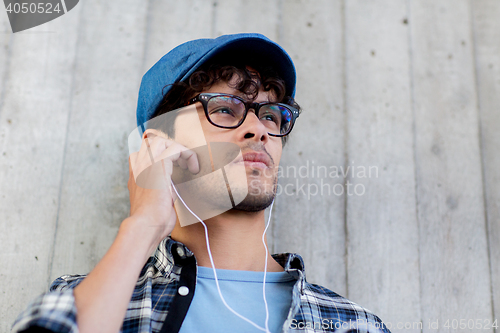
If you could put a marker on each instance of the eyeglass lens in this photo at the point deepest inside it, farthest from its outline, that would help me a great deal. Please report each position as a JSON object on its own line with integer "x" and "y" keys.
{"x": 228, "y": 111}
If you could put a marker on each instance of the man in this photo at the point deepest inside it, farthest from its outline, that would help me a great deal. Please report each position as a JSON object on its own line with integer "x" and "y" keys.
{"x": 216, "y": 275}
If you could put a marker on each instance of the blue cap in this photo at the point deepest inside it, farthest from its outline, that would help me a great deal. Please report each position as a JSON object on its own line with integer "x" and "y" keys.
{"x": 185, "y": 59}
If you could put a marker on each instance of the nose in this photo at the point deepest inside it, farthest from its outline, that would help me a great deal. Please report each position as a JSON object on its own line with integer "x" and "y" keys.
{"x": 253, "y": 128}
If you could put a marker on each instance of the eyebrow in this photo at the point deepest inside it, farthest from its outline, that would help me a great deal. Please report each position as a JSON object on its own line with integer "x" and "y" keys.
{"x": 243, "y": 96}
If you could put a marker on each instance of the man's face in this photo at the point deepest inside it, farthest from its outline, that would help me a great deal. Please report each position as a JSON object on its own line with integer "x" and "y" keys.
{"x": 261, "y": 153}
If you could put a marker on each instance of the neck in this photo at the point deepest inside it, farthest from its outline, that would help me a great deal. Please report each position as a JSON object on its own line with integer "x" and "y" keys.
{"x": 235, "y": 241}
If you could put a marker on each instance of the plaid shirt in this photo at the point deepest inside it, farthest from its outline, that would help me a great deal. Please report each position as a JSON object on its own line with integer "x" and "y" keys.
{"x": 155, "y": 300}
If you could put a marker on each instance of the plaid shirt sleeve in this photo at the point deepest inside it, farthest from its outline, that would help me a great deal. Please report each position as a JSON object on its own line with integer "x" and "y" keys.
{"x": 54, "y": 311}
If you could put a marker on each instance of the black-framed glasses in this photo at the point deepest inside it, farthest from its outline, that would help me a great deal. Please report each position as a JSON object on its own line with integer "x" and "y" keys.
{"x": 230, "y": 111}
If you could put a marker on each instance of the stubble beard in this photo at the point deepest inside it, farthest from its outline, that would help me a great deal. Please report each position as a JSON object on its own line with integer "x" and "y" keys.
{"x": 259, "y": 198}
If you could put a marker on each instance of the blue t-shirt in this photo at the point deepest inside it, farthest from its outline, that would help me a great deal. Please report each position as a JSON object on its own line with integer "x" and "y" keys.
{"x": 242, "y": 291}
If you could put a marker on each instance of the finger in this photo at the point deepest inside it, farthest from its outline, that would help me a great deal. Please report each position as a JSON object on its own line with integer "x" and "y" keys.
{"x": 131, "y": 158}
{"x": 151, "y": 145}
{"x": 182, "y": 163}
{"x": 167, "y": 166}
{"x": 146, "y": 145}
{"x": 158, "y": 144}
{"x": 131, "y": 177}
{"x": 145, "y": 150}
{"x": 167, "y": 171}
{"x": 177, "y": 152}
{"x": 192, "y": 162}
{"x": 138, "y": 161}
{"x": 180, "y": 155}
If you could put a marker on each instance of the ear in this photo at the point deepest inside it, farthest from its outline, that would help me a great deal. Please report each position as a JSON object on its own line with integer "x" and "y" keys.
{"x": 151, "y": 133}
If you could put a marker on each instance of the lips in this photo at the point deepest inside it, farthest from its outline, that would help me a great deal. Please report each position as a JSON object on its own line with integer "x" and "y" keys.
{"x": 255, "y": 158}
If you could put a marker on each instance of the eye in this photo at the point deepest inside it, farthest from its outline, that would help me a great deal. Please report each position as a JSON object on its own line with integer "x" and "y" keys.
{"x": 270, "y": 114}
{"x": 222, "y": 111}
{"x": 269, "y": 117}
{"x": 225, "y": 106}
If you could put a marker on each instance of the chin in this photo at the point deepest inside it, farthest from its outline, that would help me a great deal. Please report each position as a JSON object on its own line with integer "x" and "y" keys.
{"x": 256, "y": 201}
{"x": 253, "y": 204}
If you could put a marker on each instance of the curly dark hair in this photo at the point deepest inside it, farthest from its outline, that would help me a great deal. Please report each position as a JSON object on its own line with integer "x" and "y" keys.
{"x": 250, "y": 80}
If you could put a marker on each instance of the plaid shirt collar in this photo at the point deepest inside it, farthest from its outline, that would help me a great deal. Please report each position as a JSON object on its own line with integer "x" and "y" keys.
{"x": 165, "y": 260}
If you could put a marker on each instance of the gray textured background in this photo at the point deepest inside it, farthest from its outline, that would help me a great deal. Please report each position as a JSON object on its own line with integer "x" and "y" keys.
{"x": 409, "y": 87}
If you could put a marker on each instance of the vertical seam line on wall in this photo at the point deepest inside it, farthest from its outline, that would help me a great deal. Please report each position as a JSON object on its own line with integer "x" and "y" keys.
{"x": 280, "y": 32}
{"x": 147, "y": 33}
{"x": 63, "y": 163}
{"x": 275, "y": 216}
{"x": 346, "y": 138}
{"x": 7, "y": 72}
{"x": 481, "y": 150}
{"x": 214, "y": 18}
{"x": 414, "y": 134}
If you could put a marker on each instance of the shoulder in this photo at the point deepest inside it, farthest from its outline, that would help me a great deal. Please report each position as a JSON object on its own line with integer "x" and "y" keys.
{"x": 325, "y": 297}
{"x": 66, "y": 282}
{"x": 337, "y": 310}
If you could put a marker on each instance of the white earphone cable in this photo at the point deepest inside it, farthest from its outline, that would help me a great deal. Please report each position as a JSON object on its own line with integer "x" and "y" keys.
{"x": 265, "y": 268}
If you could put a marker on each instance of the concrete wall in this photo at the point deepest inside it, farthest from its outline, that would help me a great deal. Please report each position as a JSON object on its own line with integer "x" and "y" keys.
{"x": 404, "y": 93}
